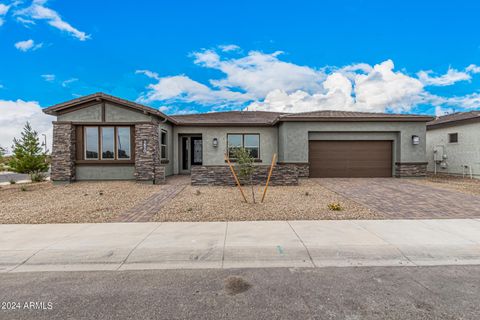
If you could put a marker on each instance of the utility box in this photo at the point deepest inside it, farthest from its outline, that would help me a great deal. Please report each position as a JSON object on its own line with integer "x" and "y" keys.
{"x": 438, "y": 153}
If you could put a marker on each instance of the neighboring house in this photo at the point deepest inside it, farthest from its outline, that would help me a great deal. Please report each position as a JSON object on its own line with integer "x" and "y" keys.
{"x": 101, "y": 137}
{"x": 453, "y": 144}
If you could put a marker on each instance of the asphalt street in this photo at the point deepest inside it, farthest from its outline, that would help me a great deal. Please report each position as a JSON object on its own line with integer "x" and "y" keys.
{"x": 442, "y": 292}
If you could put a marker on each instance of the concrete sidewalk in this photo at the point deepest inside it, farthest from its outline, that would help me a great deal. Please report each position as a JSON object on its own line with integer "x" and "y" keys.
{"x": 129, "y": 246}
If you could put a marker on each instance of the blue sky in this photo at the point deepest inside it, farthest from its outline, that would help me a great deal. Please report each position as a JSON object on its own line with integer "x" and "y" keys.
{"x": 196, "y": 56}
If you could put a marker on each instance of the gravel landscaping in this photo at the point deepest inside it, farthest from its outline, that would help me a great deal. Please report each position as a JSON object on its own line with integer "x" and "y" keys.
{"x": 308, "y": 201}
{"x": 79, "y": 202}
{"x": 456, "y": 183}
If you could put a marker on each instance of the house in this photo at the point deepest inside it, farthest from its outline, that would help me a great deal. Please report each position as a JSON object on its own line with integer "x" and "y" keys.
{"x": 453, "y": 144}
{"x": 101, "y": 137}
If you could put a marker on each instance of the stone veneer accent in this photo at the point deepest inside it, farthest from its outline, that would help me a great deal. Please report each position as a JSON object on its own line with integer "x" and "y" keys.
{"x": 282, "y": 175}
{"x": 147, "y": 158}
{"x": 410, "y": 169}
{"x": 302, "y": 168}
{"x": 63, "y": 152}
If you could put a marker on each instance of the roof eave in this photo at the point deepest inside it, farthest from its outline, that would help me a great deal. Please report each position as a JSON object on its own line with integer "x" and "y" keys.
{"x": 357, "y": 119}
{"x": 452, "y": 123}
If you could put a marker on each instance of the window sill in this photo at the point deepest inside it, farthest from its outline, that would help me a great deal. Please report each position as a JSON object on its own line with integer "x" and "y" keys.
{"x": 255, "y": 160}
{"x": 97, "y": 162}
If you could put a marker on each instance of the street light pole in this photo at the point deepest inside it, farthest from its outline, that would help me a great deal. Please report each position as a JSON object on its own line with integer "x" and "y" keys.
{"x": 45, "y": 141}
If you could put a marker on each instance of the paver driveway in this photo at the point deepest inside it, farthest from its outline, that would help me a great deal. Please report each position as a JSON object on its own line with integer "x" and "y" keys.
{"x": 400, "y": 198}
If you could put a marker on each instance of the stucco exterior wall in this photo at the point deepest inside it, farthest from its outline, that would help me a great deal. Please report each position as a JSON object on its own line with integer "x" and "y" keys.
{"x": 89, "y": 114}
{"x": 118, "y": 114}
{"x": 215, "y": 155}
{"x": 294, "y": 136}
{"x": 465, "y": 152}
{"x": 105, "y": 172}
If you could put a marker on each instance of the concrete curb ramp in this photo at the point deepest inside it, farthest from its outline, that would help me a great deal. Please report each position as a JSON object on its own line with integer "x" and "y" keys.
{"x": 172, "y": 245}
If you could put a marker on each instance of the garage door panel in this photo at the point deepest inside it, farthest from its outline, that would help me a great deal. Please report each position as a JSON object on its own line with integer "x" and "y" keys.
{"x": 350, "y": 158}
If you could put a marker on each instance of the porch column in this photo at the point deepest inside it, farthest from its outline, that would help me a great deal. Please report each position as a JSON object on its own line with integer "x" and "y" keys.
{"x": 63, "y": 152}
{"x": 147, "y": 154}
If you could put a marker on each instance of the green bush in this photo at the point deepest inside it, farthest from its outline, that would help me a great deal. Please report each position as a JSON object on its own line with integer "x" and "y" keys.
{"x": 37, "y": 177}
{"x": 245, "y": 167}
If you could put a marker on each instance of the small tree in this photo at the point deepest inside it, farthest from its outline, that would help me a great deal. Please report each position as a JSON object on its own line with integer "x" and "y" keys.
{"x": 28, "y": 155}
{"x": 246, "y": 167}
{"x": 2, "y": 153}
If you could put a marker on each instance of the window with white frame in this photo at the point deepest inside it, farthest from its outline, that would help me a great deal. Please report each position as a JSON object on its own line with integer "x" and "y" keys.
{"x": 251, "y": 142}
{"x": 163, "y": 144}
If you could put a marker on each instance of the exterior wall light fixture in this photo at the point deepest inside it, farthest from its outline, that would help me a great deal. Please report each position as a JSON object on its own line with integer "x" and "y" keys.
{"x": 215, "y": 142}
{"x": 415, "y": 140}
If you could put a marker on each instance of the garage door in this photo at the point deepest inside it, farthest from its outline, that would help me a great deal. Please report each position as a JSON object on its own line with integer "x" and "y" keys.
{"x": 354, "y": 159}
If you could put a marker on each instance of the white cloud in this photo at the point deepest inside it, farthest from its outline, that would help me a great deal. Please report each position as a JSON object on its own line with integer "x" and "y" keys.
{"x": 440, "y": 111}
{"x": 185, "y": 89}
{"x": 262, "y": 81}
{"x": 452, "y": 76}
{"x": 148, "y": 73}
{"x": 28, "y": 45}
{"x": 3, "y": 12}
{"x": 38, "y": 11}
{"x": 473, "y": 68}
{"x": 259, "y": 73}
{"x": 26, "y": 22}
{"x": 48, "y": 77}
{"x": 67, "y": 82}
{"x": 229, "y": 47}
{"x": 14, "y": 115}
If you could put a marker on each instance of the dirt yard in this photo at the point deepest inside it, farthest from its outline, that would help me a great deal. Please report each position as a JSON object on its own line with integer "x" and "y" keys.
{"x": 308, "y": 201}
{"x": 467, "y": 185}
{"x": 78, "y": 202}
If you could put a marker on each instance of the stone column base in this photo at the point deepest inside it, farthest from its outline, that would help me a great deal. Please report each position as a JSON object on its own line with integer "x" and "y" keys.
{"x": 410, "y": 169}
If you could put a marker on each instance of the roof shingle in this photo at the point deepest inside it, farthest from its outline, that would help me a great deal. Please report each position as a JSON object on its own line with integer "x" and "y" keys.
{"x": 453, "y": 119}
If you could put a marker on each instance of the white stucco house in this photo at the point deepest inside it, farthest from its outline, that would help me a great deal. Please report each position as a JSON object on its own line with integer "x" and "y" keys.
{"x": 453, "y": 144}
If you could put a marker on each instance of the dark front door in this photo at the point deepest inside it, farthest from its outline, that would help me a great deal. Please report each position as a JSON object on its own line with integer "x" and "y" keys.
{"x": 350, "y": 159}
{"x": 185, "y": 160}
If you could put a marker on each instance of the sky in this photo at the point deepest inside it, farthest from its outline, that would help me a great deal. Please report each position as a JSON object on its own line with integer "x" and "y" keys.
{"x": 202, "y": 56}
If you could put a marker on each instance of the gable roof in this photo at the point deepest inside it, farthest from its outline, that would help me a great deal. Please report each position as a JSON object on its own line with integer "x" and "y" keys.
{"x": 228, "y": 118}
{"x": 238, "y": 118}
{"x": 334, "y": 115}
{"x": 53, "y": 110}
{"x": 454, "y": 119}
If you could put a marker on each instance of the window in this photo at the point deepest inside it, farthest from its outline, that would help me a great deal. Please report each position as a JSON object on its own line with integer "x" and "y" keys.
{"x": 251, "y": 142}
{"x": 123, "y": 143}
{"x": 107, "y": 143}
{"x": 453, "y": 137}
{"x": 163, "y": 144}
{"x": 91, "y": 143}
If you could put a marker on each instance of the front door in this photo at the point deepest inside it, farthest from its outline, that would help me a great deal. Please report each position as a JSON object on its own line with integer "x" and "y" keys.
{"x": 191, "y": 153}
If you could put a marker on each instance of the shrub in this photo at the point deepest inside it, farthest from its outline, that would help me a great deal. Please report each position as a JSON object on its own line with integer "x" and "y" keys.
{"x": 37, "y": 177}
{"x": 246, "y": 167}
{"x": 23, "y": 188}
{"x": 12, "y": 181}
{"x": 335, "y": 206}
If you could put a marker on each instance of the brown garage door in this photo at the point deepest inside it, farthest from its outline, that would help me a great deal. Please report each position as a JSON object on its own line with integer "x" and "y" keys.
{"x": 354, "y": 159}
